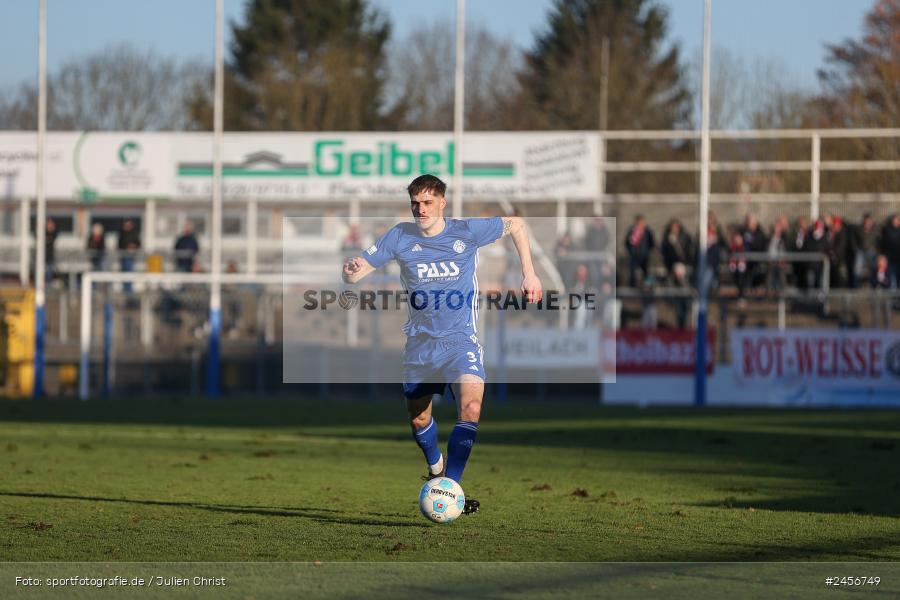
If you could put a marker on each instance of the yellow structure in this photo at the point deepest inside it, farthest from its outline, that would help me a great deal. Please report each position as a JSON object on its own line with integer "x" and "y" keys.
{"x": 154, "y": 263}
{"x": 17, "y": 322}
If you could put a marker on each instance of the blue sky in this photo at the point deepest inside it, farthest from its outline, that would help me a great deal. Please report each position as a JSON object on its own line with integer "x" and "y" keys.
{"x": 791, "y": 31}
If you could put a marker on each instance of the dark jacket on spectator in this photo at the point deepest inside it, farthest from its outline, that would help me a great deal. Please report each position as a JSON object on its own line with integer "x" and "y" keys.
{"x": 716, "y": 250}
{"x": 186, "y": 247}
{"x": 890, "y": 244}
{"x": 96, "y": 245}
{"x": 597, "y": 238}
{"x": 677, "y": 248}
{"x": 641, "y": 247}
{"x": 50, "y": 246}
{"x": 755, "y": 240}
{"x": 129, "y": 239}
{"x": 841, "y": 251}
{"x": 816, "y": 238}
{"x": 869, "y": 239}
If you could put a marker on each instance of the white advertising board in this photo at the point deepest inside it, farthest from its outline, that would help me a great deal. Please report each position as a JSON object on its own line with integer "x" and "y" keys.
{"x": 92, "y": 166}
{"x": 544, "y": 348}
{"x": 89, "y": 166}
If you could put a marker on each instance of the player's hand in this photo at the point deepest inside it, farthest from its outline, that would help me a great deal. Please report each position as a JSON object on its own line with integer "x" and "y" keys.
{"x": 352, "y": 266}
{"x": 531, "y": 288}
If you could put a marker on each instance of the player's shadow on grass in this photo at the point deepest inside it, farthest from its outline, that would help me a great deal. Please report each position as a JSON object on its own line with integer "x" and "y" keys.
{"x": 324, "y": 515}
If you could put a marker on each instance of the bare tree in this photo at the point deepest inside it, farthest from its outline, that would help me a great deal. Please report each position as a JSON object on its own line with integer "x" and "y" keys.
{"x": 118, "y": 88}
{"x": 861, "y": 88}
{"x": 421, "y": 78}
{"x": 861, "y": 82}
{"x": 759, "y": 93}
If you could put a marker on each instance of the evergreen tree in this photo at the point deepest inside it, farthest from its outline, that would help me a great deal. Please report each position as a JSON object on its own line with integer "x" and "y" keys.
{"x": 562, "y": 75}
{"x": 303, "y": 65}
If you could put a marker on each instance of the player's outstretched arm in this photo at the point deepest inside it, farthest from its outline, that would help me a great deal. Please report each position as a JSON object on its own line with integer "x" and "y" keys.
{"x": 355, "y": 269}
{"x": 531, "y": 283}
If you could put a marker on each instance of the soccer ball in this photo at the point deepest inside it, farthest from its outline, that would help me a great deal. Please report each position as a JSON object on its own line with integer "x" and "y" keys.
{"x": 441, "y": 500}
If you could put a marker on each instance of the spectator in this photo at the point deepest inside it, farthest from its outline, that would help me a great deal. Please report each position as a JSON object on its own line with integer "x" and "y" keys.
{"x": 129, "y": 244}
{"x": 582, "y": 287}
{"x": 352, "y": 242}
{"x": 607, "y": 283}
{"x": 783, "y": 222}
{"x": 890, "y": 245}
{"x": 50, "y": 250}
{"x": 186, "y": 249}
{"x": 232, "y": 303}
{"x": 564, "y": 264}
{"x": 867, "y": 250}
{"x": 597, "y": 240}
{"x": 679, "y": 280}
{"x": 597, "y": 237}
{"x": 798, "y": 242}
{"x": 737, "y": 264}
{"x": 776, "y": 248}
{"x": 754, "y": 241}
{"x": 881, "y": 278}
{"x": 817, "y": 241}
{"x": 841, "y": 252}
{"x": 96, "y": 247}
{"x": 638, "y": 243}
{"x": 715, "y": 250}
{"x": 677, "y": 247}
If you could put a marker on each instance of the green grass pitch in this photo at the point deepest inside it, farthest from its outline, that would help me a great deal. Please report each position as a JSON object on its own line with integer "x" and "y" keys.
{"x": 258, "y": 480}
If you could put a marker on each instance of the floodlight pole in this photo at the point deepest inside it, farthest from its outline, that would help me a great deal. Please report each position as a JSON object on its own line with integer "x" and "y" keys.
{"x": 459, "y": 108}
{"x": 700, "y": 277}
{"x": 41, "y": 217}
{"x": 215, "y": 298}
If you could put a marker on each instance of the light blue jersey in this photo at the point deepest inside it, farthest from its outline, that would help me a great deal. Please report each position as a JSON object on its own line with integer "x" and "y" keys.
{"x": 438, "y": 273}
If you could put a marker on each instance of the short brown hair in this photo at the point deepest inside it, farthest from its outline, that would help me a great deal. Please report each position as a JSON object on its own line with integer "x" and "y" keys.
{"x": 426, "y": 183}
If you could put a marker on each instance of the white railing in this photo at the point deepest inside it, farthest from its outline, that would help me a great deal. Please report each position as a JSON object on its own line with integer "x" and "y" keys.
{"x": 814, "y": 165}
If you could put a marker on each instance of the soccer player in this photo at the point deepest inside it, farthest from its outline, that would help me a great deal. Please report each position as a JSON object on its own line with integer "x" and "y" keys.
{"x": 438, "y": 258}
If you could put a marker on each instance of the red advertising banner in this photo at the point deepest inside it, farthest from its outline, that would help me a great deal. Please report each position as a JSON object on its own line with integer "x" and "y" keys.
{"x": 661, "y": 351}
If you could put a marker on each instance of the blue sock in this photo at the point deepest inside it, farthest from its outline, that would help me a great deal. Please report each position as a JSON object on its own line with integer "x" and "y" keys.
{"x": 460, "y": 446}
{"x": 427, "y": 439}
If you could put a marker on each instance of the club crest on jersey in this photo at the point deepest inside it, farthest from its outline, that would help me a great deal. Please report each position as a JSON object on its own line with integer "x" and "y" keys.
{"x": 459, "y": 246}
{"x": 441, "y": 269}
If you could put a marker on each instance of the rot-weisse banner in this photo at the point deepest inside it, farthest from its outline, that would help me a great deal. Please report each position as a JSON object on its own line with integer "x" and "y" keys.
{"x": 832, "y": 359}
{"x": 661, "y": 351}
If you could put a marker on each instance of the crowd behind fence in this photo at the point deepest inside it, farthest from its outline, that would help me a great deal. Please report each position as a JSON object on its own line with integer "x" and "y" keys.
{"x": 748, "y": 258}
